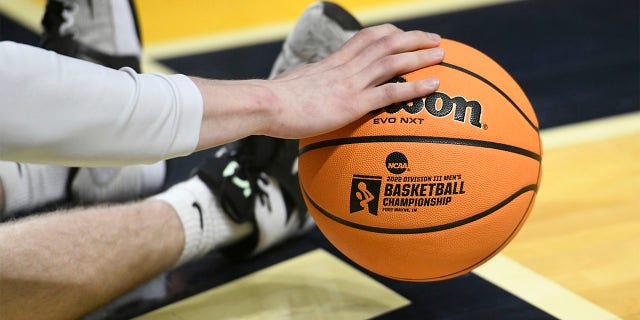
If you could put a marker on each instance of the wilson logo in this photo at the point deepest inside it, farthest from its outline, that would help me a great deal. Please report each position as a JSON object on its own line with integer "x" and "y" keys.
{"x": 439, "y": 104}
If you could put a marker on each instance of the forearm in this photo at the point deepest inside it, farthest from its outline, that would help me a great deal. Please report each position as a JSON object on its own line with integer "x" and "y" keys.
{"x": 71, "y": 112}
{"x": 64, "y": 265}
{"x": 59, "y": 110}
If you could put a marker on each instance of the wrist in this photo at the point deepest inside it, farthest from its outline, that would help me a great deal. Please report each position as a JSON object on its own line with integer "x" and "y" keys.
{"x": 234, "y": 109}
{"x": 263, "y": 106}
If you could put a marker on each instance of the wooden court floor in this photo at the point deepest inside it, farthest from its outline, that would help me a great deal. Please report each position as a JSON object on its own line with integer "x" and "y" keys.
{"x": 578, "y": 255}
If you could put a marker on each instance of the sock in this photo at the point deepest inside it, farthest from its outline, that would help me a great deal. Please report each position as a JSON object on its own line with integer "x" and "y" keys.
{"x": 153, "y": 177}
{"x": 29, "y": 186}
{"x": 117, "y": 184}
{"x": 206, "y": 226}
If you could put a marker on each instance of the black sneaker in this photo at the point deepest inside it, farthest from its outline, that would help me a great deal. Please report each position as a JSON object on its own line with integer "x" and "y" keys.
{"x": 256, "y": 180}
{"x": 97, "y": 31}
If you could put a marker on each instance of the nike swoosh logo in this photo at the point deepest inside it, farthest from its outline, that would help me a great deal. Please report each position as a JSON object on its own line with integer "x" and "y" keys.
{"x": 197, "y": 206}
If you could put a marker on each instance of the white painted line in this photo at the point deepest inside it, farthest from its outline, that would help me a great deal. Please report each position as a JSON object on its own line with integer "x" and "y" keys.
{"x": 540, "y": 291}
{"x": 590, "y": 131}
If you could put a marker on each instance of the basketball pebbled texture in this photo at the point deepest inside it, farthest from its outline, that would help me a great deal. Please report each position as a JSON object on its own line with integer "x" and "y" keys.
{"x": 429, "y": 189}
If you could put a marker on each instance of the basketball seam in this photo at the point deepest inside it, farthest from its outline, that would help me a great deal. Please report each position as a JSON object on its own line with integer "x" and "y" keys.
{"x": 422, "y": 139}
{"x": 483, "y": 260}
{"x": 446, "y": 226}
{"x": 367, "y": 177}
{"x": 494, "y": 87}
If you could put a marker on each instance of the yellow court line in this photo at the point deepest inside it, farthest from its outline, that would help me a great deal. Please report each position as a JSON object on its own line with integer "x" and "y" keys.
{"x": 591, "y": 131}
{"x": 404, "y": 11}
{"x": 29, "y": 13}
{"x": 149, "y": 65}
{"x": 218, "y": 41}
{"x": 540, "y": 291}
{"x": 25, "y": 12}
{"x": 278, "y": 31}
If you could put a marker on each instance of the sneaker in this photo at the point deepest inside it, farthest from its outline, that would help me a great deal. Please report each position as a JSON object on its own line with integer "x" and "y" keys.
{"x": 104, "y": 32}
{"x": 256, "y": 180}
{"x": 321, "y": 30}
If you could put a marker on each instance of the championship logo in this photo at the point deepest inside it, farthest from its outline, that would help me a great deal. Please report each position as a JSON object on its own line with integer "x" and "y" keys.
{"x": 365, "y": 192}
{"x": 397, "y": 163}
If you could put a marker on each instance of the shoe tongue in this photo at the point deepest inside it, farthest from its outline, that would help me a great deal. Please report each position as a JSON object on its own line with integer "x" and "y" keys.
{"x": 262, "y": 149}
{"x": 341, "y": 16}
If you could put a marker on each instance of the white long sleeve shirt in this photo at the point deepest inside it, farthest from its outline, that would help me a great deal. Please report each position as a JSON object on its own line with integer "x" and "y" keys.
{"x": 59, "y": 110}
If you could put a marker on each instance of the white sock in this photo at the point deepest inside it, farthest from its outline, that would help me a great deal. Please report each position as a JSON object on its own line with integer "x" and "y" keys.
{"x": 205, "y": 229}
{"x": 28, "y": 186}
{"x": 117, "y": 184}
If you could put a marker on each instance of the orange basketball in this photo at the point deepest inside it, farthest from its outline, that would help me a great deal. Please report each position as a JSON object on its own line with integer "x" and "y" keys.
{"x": 431, "y": 188}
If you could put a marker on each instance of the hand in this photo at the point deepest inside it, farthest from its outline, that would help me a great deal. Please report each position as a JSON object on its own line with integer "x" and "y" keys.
{"x": 323, "y": 96}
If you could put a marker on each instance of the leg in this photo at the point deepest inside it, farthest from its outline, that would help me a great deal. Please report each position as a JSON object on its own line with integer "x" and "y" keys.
{"x": 64, "y": 264}
{"x": 27, "y": 187}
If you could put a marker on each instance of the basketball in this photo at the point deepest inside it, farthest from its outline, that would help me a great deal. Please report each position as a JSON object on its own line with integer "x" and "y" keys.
{"x": 429, "y": 189}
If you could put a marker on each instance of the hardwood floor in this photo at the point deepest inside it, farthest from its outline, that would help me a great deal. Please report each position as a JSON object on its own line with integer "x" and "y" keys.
{"x": 577, "y": 256}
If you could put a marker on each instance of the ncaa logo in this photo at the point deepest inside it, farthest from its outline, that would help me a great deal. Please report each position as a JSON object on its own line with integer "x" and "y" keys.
{"x": 397, "y": 163}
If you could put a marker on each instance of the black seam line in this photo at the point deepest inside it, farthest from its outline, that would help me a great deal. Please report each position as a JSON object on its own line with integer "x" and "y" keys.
{"x": 367, "y": 177}
{"x": 422, "y": 139}
{"x": 485, "y": 259}
{"x": 532, "y": 187}
{"x": 479, "y": 77}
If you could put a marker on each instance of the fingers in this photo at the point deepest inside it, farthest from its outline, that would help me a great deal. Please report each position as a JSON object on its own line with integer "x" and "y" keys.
{"x": 389, "y": 93}
{"x": 395, "y": 43}
{"x": 392, "y": 54}
{"x": 374, "y": 42}
{"x": 391, "y": 66}
{"x": 363, "y": 39}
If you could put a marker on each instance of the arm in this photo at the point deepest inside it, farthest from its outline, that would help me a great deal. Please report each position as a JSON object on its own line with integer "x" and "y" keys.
{"x": 70, "y": 112}
{"x": 87, "y": 257}
{"x": 60, "y": 110}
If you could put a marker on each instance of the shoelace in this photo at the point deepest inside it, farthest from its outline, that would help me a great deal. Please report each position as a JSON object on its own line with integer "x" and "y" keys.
{"x": 68, "y": 15}
{"x": 241, "y": 174}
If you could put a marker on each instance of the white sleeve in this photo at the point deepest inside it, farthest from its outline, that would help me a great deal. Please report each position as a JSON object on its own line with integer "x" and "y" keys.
{"x": 59, "y": 110}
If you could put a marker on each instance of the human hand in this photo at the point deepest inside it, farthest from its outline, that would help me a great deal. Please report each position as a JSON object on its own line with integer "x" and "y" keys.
{"x": 324, "y": 96}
